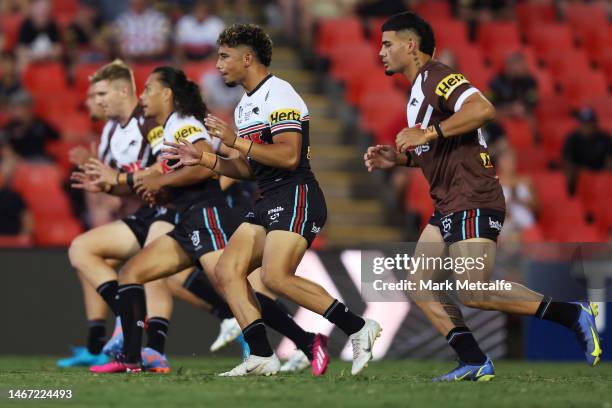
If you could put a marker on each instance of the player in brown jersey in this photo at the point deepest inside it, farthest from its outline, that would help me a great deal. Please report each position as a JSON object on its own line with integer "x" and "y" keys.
{"x": 445, "y": 114}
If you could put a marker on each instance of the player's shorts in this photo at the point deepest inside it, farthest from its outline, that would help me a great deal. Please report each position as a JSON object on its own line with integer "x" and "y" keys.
{"x": 462, "y": 225}
{"x": 298, "y": 208}
{"x": 141, "y": 220}
{"x": 200, "y": 229}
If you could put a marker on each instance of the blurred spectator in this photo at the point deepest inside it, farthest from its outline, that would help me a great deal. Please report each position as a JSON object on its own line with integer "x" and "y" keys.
{"x": 10, "y": 82}
{"x": 514, "y": 91}
{"x": 39, "y": 37}
{"x": 219, "y": 98}
{"x": 26, "y": 133}
{"x": 495, "y": 137}
{"x": 15, "y": 219}
{"x": 520, "y": 195}
{"x": 197, "y": 32}
{"x": 13, "y": 6}
{"x": 587, "y": 148}
{"x": 86, "y": 37}
{"x": 380, "y": 8}
{"x": 143, "y": 33}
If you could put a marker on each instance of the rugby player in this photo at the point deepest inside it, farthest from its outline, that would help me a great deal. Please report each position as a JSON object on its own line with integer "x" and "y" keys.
{"x": 273, "y": 141}
{"x": 445, "y": 114}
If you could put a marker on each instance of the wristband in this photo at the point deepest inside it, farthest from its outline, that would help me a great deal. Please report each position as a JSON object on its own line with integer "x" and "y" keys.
{"x": 438, "y": 130}
{"x": 130, "y": 179}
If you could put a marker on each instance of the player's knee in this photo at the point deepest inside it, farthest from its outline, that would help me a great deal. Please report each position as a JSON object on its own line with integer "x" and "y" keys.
{"x": 225, "y": 273}
{"x": 273, "y": 282}
{"x": 76, "y": 252}
{"x": 131, "y": 273}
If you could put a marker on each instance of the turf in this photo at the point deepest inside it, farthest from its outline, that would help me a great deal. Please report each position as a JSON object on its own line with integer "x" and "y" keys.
{"x": 405, "y": 383}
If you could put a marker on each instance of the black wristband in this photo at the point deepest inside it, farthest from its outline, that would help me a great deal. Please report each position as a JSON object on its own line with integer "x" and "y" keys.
{"x": 408, "y": 159}
{"x": 130, "y": 179}
{"x": 438, "y": 130}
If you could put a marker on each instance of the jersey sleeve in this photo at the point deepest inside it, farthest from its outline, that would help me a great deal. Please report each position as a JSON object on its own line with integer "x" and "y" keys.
{"x": 452, "y": 88}
{"x": 286, "y": 110}
{"x": 189, "y": 129}
{"x": 154, "y": 133}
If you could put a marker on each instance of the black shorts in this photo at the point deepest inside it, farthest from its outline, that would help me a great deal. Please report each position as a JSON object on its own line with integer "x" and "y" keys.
{"x": 298, "y": 208}
{"x": 462, "y": 225}
{"x": 141, "y": 220}
{"x": 200, "y": 229}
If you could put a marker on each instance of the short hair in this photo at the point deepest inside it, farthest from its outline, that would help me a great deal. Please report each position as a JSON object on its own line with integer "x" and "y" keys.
{"x": 250, "y": 35}
{"x": 409, "y": 20}
{"x": 113, "y": 71}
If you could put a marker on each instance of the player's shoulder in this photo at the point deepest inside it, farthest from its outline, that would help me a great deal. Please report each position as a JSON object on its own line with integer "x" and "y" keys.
{"x": 278, "y": 86}
{"x": 181, "y": 127}
{"x": 442, "y": 79}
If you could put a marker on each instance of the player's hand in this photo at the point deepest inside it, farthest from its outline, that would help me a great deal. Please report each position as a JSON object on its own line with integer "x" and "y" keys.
{"x": 148, "y": 185}
{"x": 80, "y": 154}
{"x": 409, "y": 138}
{"x": 81, "y": 181}
{"x": 380, "y": 157}
{"x": 100, "y": 172}
{"x": 219, "y": 128}
{"x": 184, "y": 152}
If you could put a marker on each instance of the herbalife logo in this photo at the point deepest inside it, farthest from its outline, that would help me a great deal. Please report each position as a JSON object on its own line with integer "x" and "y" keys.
{"x": 495, "y": 224}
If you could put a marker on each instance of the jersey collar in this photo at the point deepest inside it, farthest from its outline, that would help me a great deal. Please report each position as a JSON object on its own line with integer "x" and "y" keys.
{"x": 263, "y": 81}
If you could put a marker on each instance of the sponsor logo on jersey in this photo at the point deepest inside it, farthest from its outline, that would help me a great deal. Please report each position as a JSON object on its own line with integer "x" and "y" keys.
{"x": 447, "y": 85}
{"x": 186, "y": 131}
{"x": 276, "y": 210}
{"x": 495, "y": 224}
{"x": 195, "y": 238}
{"x": 255, "y": 137}
{"x": 281, "y": 115}
{"x": 446, "y": 224}
{"x": 155, "y": 135}
{"x": 315, "y": 229}
{"x": 421, "y": 149}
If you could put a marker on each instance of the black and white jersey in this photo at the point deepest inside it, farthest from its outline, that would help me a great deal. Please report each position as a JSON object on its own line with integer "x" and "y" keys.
{"x": 272, "y": 108}
{"x": 207, "y": 192}
{"x": 128, "y": 147}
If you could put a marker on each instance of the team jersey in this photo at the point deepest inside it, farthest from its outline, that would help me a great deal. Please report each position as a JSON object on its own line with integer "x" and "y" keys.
{"x": 127, "y": 147}
{"x": 458, "y": 168}
{"x": 207, "y": 192}
{"x": 270, "y": 109}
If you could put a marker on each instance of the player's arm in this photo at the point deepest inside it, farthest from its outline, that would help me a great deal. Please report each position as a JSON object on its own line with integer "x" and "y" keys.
{"x": 109, "y": 180}
{"x": 473, "y": 114}
{"x": 386, "y": 157}
{"x": 284, "y": 153}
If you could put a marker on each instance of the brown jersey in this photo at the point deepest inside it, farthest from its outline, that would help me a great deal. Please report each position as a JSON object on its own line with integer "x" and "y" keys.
{"x": 458, "y": 168}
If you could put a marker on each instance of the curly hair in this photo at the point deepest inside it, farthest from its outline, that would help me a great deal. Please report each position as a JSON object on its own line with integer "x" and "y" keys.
{"x": 187, "y": 97}
{"x": 250, "y": 35}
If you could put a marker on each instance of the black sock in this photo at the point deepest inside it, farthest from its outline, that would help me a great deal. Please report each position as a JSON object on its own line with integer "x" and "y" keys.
{"x": 96, "y": 337}
{"x": 157, "y": 332}
{"x": 563, "y": 313}
{"x": 255, "y": 336}
{"x": 108, "y": 291}
{"x": 133, "y": 307}
{"x": 341, "y": 316}
{"x": 276, "y": 317}
{"x": 197, "y": 284}
{"x": 463, "y": 342}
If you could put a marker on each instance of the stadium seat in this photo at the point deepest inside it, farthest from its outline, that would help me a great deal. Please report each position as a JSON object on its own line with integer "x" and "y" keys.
{"x": 531, "y": 159}
{"x": 450, "y": 33}
{"x": 579, "y": 232}
{"x": 551, "y": 188}
{"x": 603, "y": 219}
{"x": 518, "y": 133}
{"x": 593, "y": 189}
{"x": 373, "y": 81}
{"x": 554, "y": 132}
{"x": 532, "y": 235}
{"x": 595, "y": 41}
{"x": 59, "y": 150}
{"x": 56, "y": 232}
{"x": 580, "y": 86}
{"x": 82, "y": 72}
{"x": 52, "y": 106}
{"x": 433, "y": 9}
{"x": 498, "y": 56}
{"x": 54, "y": 205}
{"x": 35, "y": 179}
{"x": 65, "y": 9}
{"x": 374, "y": 34}
{"x": 15, "y": 241}
{"x": 605, "y": 62}
{"x": 142, "y": 72}
{"x": 74, "y": 126}
{"x": 550, "y": 36}
{"x": 532, "y": 13}
{"x": 10, "y": 23}
{"x": 559, "y": 63}
{"x": 417, "y": 198}
{"x": 498, "y": 34}
{"x": 378, "y": 109}
{"x": 552, "y": 107}
{"x": 45, "y": 77}
{"x": 471, "y": 62}
{"x": 196, "y": 70}
{"x": 346, "y": 30}
{"x": 580, "y": 15}
{"x": 343, "y": 60}
{"x": 546, "y": 84}
{"x": 601, "y": 104}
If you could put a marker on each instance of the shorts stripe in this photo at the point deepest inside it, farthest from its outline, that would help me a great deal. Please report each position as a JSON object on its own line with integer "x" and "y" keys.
{"x": 220, "y": 227}
{"x": 300, "y": 210}
{"x": 305, "y": 210}
{"x": 215, "y": 227}
{"x": 472, "y": 222}
{"x": 294, "y": 207}
{"x": 211, "y": 232}
{"x": 463, "y": 225}
{"x": 477, "y": 215}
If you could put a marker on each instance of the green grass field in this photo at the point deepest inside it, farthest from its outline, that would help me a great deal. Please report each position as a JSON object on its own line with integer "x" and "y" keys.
{"x": 404, "y": 383}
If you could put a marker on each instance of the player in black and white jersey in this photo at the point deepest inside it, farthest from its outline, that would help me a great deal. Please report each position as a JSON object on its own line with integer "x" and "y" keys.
{"x": 124, "y": 147}
{"x": 205, "y": 221}
{"x": 273, "y": 139}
